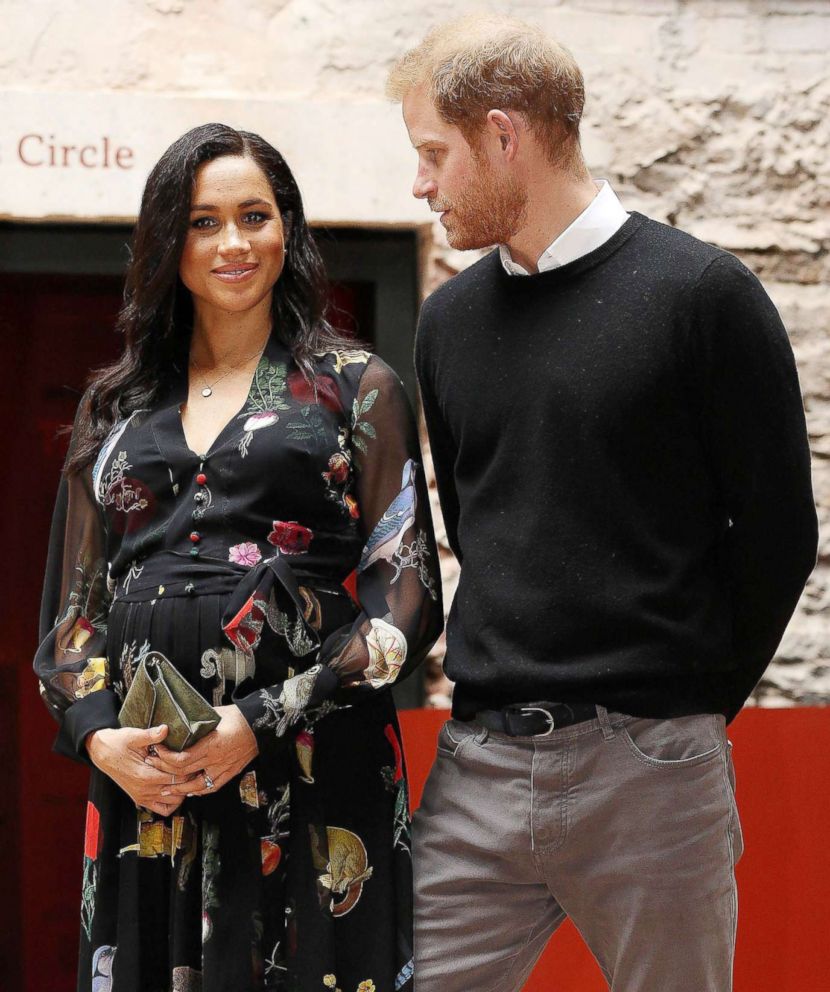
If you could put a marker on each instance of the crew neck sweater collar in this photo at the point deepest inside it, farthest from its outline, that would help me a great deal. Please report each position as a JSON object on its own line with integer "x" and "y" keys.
{"x": 601, "y": 219}
{"x": 564, "y": 273}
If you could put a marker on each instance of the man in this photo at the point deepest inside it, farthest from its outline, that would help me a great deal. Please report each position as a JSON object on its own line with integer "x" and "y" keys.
{"x": 622, "y": 462}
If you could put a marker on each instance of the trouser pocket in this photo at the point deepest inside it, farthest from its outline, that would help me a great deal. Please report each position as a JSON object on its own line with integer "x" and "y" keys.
{"x": 679, "y": 742}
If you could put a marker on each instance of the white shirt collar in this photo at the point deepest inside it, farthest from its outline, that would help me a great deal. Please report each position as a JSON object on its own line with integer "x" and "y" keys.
{"x": 602, "y": 218}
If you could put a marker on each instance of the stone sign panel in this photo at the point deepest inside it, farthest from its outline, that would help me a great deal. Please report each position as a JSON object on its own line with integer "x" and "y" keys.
{"x": 85, "y": 156}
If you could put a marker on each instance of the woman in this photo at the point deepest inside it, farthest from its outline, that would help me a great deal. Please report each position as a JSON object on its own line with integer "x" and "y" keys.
{"x": 224, "y": 478}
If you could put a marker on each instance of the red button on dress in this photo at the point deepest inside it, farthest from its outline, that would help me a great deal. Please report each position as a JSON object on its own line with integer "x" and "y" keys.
{"x": 201, "y": 478}
{"x": 195, "y": 537}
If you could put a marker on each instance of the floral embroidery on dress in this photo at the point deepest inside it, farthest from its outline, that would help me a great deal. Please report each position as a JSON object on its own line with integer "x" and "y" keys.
{"x": 211, "y": 866}
{"x": 338, "y": 477}
{"x": 387, "y": 653}
{"x": 360, "y": 426}
{"x": 107, "y": 449}
{"x": 415, "y": 555}
{"x": 278, "y": 825}
{"x": 246, "y": 553}
{"x": 395, "y": 782}
{"x": 124, "y": 493}
{"x": 131, "y": 657}
{"x": 266, "y": 397}
{"x": 290, "y": 537}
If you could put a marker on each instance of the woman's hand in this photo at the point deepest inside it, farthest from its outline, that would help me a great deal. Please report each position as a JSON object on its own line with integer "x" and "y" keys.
{"x": 212, "y": 761}
{"x": 121, "y": 754}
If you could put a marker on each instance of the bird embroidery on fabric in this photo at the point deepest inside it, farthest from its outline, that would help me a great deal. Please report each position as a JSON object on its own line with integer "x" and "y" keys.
{"x": 399, "y": 516}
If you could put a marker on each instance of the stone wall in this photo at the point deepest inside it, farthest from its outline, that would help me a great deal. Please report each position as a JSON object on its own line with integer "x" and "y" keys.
{"x": 713, "y": 115}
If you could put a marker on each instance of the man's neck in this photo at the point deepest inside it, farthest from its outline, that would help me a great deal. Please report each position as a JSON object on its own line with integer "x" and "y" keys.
{"x": 554, "y": 202}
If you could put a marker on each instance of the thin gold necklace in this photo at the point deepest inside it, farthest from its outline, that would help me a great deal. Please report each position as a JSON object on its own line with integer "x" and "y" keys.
{"x": 207, "y": 389}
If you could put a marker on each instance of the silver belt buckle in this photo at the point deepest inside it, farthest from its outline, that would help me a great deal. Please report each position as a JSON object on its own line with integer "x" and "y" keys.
{"x": 548, "y": 714}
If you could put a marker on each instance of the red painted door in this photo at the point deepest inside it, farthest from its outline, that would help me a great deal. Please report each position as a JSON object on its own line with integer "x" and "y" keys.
{"x": 54, "y": 329}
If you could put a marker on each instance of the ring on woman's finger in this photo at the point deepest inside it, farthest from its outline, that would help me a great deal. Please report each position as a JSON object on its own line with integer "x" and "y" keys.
{"x": 173, "y": 777}
{"x": 209, "y": 783}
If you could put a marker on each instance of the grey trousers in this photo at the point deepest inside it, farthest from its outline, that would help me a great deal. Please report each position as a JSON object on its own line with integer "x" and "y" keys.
{"x": 627, "y": 826}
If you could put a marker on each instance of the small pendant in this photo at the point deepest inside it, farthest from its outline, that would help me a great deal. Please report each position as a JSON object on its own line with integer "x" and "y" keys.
{"x": 207, "y": 391}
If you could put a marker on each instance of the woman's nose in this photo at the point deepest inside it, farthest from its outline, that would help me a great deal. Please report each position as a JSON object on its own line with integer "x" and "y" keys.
{"x": 233, "y": 241}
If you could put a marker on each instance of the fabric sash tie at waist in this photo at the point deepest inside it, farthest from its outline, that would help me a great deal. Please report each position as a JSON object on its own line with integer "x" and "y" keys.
{"x": 252, "y": 591}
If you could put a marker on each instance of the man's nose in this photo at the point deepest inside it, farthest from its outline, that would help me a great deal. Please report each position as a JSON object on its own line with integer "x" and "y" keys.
{"x": 424, "y": 187}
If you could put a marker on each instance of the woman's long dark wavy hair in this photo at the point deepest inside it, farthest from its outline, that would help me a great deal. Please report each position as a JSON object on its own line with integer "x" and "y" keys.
{"x": 156, "y": 317}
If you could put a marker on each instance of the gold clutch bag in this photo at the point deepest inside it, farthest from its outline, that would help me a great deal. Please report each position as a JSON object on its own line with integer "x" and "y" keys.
{"x": 159, "y": 694}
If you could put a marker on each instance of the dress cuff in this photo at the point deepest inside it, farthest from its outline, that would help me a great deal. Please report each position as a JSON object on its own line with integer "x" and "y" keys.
{"x": 97, "y": 711}
{"x": 280, "y": 706}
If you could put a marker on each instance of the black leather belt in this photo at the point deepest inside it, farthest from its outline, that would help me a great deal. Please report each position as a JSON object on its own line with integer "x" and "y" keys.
{"x": 535, "y": 719}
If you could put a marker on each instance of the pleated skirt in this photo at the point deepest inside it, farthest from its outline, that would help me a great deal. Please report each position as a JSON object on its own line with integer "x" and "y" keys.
{"x": 296, "y": 875}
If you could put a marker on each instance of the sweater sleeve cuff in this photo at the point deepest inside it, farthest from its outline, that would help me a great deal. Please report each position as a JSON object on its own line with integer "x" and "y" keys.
{"x": 270, "y": 708}
{"x": 97, "y": 711}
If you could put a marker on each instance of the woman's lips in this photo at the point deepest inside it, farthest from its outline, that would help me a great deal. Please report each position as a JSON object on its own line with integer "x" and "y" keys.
{"x": 235, "y": 273}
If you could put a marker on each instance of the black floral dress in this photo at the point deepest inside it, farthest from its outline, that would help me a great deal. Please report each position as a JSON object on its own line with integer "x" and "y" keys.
{"x": 296, "y": 875}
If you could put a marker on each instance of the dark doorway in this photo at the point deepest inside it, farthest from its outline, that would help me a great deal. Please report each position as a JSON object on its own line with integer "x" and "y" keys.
{"x": 60, "y": 289}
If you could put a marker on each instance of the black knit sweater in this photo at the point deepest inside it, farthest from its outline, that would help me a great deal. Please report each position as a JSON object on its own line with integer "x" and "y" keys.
{"x": 624, "y": 474}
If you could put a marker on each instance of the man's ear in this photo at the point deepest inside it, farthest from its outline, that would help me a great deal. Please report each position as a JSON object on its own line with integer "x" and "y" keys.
{"x": 504, "y": 130}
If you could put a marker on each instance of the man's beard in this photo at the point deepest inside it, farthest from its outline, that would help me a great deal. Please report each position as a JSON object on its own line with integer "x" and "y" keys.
{"x": 489, "y": 212}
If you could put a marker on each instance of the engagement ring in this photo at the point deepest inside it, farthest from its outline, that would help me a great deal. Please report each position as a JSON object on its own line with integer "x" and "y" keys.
{"x": 208, "y": 780}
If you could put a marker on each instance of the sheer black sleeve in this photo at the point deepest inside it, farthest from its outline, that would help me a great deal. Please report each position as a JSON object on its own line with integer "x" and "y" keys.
{"x": 398, "y": 577}
{"x": 70, "y": 662}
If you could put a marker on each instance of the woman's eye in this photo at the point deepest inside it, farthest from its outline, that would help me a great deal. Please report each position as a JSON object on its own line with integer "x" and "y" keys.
{"x": 256, "y": 217}
{"x": 202, "y": 223}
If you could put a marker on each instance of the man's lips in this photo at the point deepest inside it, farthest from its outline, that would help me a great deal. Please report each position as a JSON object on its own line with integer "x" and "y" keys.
{"x": 235, "y": 273}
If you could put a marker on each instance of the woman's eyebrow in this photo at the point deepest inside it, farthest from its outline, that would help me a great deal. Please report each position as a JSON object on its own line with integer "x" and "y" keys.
{"x": 244, "y": 203}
